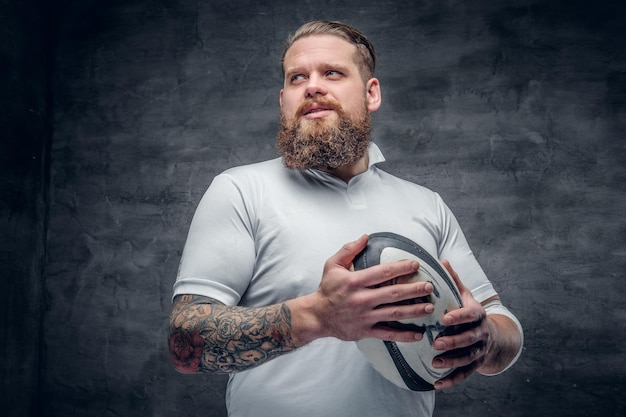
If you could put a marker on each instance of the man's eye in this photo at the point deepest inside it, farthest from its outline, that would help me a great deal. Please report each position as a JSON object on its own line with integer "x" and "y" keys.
{"x": 333, "y": 74}
{"x": 296, "y": 78}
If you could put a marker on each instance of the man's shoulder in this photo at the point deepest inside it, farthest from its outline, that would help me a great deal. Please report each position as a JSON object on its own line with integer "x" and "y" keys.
{"x": 263, "y": 175}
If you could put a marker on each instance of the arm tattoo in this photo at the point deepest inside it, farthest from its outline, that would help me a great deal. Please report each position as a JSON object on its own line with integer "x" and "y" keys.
{"x": 207, "y": 336}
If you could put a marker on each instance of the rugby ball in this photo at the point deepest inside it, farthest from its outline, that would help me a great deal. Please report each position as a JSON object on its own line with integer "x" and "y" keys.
{"x": 409, "y": 365}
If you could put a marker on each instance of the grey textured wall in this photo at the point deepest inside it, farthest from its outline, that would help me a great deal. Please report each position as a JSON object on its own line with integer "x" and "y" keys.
{"x": 514, "y": 111}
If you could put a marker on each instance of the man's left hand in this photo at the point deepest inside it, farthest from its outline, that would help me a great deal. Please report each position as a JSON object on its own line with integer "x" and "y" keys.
{"x": 469, "y": 337}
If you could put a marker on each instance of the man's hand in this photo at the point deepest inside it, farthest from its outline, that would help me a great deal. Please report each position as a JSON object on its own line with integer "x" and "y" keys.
{"x": 476, "y": 342}
{"x": 348, "y": 304}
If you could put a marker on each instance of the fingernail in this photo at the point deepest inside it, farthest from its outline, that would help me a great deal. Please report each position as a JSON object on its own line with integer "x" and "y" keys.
{"x": 415, "y": 265}
{"x": 438, "y": 363}
{"x": 429, "y": 308}
{"x": 439, "y": 346}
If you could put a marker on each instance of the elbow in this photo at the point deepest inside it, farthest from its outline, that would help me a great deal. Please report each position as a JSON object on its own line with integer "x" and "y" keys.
{"x": 184, "y": 369}
{"x": 186, "y": 352}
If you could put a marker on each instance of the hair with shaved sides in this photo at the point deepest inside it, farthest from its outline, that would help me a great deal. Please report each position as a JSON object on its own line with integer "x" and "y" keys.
{"x": 365, "y": 56}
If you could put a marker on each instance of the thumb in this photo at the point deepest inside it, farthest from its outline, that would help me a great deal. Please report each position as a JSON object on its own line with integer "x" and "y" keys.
{"x": 462, "y": 288}
{"x": 346, "y": 254}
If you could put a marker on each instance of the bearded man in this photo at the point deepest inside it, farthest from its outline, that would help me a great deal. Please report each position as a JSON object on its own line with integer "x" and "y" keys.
{"x": 262, "y": 292}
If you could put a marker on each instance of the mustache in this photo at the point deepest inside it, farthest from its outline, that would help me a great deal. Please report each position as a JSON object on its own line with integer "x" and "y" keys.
{"x": 322, "y": 101}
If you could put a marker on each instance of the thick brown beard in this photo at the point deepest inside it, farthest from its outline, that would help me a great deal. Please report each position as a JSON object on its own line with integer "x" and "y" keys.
{"x": 323, "y": 145}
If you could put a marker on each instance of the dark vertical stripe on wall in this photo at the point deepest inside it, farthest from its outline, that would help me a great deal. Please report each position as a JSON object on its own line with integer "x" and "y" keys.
{"x": 24, "y": 137}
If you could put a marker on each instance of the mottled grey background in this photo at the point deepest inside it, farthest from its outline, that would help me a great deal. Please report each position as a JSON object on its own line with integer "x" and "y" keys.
{"x": 117, "y": 114}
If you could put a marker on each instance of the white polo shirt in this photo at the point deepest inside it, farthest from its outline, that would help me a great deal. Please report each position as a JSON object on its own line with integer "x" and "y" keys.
{"x": 261, "y": 235}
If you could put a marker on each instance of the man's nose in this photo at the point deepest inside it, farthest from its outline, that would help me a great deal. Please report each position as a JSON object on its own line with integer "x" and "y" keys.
{"x": 315, "y": 87}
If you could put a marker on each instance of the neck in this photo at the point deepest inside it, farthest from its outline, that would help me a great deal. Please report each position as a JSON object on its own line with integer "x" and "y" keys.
{"x": 347, "y": 172}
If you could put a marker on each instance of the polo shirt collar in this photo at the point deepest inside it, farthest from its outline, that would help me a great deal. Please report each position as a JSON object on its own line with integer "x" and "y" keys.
{"x": 375, "y": 155}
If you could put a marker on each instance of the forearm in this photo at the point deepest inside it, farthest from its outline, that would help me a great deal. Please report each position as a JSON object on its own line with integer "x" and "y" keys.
{"x": 505, "y": 343}
{"x": 206, "y": 336}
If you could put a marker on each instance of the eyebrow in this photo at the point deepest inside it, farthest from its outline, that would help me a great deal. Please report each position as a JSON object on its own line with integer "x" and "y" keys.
{"x": 291, "y": 71}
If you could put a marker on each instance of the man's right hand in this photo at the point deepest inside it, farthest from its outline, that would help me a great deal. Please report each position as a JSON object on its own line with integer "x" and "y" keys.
{"x": 349, "y": 305}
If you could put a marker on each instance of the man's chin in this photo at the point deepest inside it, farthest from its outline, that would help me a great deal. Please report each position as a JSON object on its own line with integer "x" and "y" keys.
{"x": 328, "y": 119}
{"x": 320, "y": 127}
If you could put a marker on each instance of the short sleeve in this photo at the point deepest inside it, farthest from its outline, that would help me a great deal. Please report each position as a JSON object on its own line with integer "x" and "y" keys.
{"x": 219, "y": 253}
{"x": 455, "y": 248}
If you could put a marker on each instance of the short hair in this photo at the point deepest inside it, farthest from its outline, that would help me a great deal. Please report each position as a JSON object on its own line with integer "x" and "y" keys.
{"x": 365, "y": 56}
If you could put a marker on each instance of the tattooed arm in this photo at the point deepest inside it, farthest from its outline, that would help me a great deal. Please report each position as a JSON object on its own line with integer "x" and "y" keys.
{"x": 207, "y": 336}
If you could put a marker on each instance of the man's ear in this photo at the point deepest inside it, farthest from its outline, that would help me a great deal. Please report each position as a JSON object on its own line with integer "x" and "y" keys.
{"x": 373, "y": 95}
{"x": 280, "y": 98}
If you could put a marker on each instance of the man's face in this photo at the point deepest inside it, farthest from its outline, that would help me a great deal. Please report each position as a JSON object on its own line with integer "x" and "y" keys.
{"x": 325, "y": 105}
